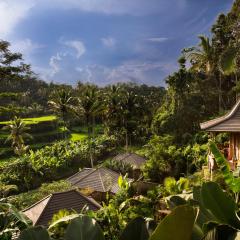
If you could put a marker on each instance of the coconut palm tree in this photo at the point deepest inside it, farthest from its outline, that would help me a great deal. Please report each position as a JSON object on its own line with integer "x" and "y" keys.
{"x": 129, "y": 112}
{"x": 112, "y": 110}
{"x": 228, "y": 64}
{"x": 18, "y": 129}
{"x": 202, "y": 58}
{"x": 61, "y": 103}
{"x": 88, "y": 106}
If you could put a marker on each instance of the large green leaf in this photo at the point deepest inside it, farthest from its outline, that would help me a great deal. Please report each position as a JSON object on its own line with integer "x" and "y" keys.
{"x": 219, "y": 204}
{"x": 136, "y": 229}
{"x": 222, "y": 232}
{"x": 178, "y": 225}
{"x": 34, "y": 233}
{"x": 175, "y": 201}
{"x": 15, "y": 216}
{"x": 65, "y": 219}
{"x": 84, "y": 228}
{"x": 204, "y": 215}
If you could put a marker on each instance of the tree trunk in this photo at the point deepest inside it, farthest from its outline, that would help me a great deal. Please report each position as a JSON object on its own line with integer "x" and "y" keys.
{"x": 126, "y": 140}
{"x": 88, "y": 119}
{"x": 236, "y": 80}
{"x": 220, "y": 93}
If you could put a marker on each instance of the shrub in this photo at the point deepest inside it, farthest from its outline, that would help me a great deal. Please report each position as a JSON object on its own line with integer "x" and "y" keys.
{"x": 53, "y": 162}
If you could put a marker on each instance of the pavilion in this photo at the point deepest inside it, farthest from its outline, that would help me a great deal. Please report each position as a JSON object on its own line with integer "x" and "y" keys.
{"x": 229, "y": 123}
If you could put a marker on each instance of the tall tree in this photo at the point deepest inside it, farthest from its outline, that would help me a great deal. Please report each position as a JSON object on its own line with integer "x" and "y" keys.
{"x": 88, "y": 106}
{"x": 61, "y": 103}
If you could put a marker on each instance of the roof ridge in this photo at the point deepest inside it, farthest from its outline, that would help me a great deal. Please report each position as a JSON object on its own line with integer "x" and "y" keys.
{"x": 100, "y": 176}
{"x": 36, "y": 203}
{"x": 110, "y": 170}
{"x": 94, "y": 170}
{"x": 89, "y": 199}
{"x": 223, "y": 118}
{"x": 78, "y": 173}
{"x": 44, "y": 209}
{"x": 127, "y": 155}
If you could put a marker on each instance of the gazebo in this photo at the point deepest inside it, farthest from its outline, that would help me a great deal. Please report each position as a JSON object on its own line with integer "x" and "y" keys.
{"x": 229, "y": 123}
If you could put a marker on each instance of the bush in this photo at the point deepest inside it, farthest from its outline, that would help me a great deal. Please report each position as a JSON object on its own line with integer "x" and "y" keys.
{"x": 118, "y": 166}
{"x": 54, "y": 162}
{"x": 20, "y": 173}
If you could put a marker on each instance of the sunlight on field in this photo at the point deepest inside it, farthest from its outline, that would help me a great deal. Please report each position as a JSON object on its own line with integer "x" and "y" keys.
{"x": 78, "y": 136}
{"x": 35, "y": 120}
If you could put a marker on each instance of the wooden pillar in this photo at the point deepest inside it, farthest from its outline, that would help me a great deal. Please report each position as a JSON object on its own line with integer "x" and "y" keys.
{"x": 238, "y": 148}
{"x": 231, "y": 147}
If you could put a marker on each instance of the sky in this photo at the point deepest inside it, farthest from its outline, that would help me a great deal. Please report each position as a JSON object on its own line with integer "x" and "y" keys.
{"x": 106, "y": 41}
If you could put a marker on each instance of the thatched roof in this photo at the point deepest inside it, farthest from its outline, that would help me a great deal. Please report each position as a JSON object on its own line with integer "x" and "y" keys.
{"x": 42, "y": 212}
{"x": 135, "y": 160}
{"x": 98, "y": 180}
{"x": 227, "y": 123}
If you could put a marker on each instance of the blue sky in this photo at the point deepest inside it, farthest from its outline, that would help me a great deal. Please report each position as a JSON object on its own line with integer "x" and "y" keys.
{"x": 106, "y": 41}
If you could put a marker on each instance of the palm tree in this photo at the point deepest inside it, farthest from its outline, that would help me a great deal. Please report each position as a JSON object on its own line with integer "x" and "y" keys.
{"x": 129, "y": 109}
{"x": 228, "y": 64}
{"x": 202, "y": 57}
{"x": 61, "y": 103}
{"x": 17, "y": 134}
{"x": 112, "y": 110}
{"x": 89, "y": 107}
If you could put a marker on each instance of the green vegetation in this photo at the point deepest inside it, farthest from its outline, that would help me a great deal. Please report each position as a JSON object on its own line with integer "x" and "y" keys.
{"x": 174, "y": 200}
{"x": 59, "y": 160}
{"x": 78, "y": 136}
{"x": 35, "y": 120}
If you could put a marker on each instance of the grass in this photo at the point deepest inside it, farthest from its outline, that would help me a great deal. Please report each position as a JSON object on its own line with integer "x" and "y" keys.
{"x": 98, "y": 129}
{"x": 35, "y": 120}
{"x": 78, "y": 136}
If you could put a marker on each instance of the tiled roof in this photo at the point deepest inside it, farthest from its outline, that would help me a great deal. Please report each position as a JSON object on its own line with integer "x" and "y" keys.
{"x": 131, "y": 158}
{"x": 227, "y": 123}
{"x": 42, "y": 212}
{"x": 100, "y": 179}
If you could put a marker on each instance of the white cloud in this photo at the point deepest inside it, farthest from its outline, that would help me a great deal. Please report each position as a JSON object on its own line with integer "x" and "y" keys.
{"x": 157, "y": 39}
{"x": 54, "y": 64}
{"x": 139, "y": 72}
{"x": 78, "y": 47}
{"x": 108, "y": 42}
{"x": 25, "y": 46}
{"x": 11, "y": 13}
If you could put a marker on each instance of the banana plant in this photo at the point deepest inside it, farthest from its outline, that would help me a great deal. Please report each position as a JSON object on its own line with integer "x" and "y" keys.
{"x": 11, "y": 221}
{"x": 232, "y": 182}
{"x": 218, "y": 213}
{"x": 181, "y": 219}
{"x": 211, "y": 215}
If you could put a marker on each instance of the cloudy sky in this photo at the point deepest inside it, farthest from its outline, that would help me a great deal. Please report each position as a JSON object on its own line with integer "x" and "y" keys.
{"x": 105, "y": 41}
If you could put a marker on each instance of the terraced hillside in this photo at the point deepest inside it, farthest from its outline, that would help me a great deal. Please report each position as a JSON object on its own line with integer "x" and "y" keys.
{"x": 44, "y": 130}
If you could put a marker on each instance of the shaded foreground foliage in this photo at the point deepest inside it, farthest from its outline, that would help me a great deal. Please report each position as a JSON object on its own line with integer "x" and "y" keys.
{"x": 211, "y": 214}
